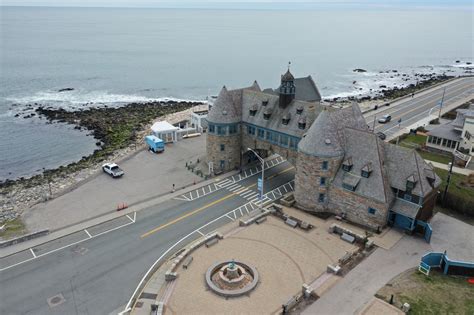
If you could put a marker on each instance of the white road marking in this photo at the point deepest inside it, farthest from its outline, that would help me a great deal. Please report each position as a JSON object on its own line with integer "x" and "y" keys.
{"x": 241, "y": 213}
{"x": 90, "y": 236}
{"x": 229, "y": 217}
{"x": 200, "y": 232}
{"x": 32, "y": 253}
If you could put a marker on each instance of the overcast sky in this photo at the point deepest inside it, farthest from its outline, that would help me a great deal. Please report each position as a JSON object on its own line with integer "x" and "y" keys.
{"x": 241, "y": 3}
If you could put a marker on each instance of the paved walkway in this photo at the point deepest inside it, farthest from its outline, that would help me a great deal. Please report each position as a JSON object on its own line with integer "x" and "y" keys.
{"x": 458, "y": 170}
{"x": 358, "y": 287}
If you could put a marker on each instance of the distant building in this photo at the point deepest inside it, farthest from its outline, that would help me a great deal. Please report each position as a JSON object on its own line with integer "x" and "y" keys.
{"x": 341, "y": 167}
{"x": 198, "y": 120}
{"x": 456, "y": 136}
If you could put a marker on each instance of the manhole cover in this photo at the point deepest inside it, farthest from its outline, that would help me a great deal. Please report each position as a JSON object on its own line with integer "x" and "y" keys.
{"x": 56, "y": 300}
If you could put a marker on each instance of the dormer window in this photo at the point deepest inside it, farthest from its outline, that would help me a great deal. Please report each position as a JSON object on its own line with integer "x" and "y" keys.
{"x": 299, "y": 110}
{"x": 266, "y": 114}
{"x": 347, "y": 164}
{"x": 411, "y": 183}
{"x": 285, "y": 120}
{"x": 265, "y": 103}
{"x": 302, "y": 123}
{"x": 350, "y": 182}
{"x": 430, "y": 175}
{"x": 366, "y": 170}
{"x": 253, "y": 110}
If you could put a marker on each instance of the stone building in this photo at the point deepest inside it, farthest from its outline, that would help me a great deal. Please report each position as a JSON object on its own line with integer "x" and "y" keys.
{"x": 341, "y": 167}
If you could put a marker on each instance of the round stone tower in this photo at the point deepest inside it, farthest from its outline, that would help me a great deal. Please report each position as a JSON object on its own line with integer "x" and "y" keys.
{"x": 223, "y": 137}
{"x": 319, "y": 157}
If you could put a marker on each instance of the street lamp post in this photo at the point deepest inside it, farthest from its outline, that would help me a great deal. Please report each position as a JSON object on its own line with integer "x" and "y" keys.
{"x": 263, "y": 175}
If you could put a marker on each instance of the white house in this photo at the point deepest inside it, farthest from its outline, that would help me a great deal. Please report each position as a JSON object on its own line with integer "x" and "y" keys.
{"x": 455, "y": 137}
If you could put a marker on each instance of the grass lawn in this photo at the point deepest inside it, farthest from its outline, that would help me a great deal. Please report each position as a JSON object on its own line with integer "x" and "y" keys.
{"x": 455, "y": 187}
{"x": 13, "y": 228}
{"x": 435, "y": 294}
{"x": 440, "y": 158}
{"x": 415, "y": 141}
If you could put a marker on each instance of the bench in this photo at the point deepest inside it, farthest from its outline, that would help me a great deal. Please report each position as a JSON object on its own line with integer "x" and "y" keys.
{"x": 291, "y": 222}
{"x": 211, "y": 242}
{"x": 261, "y": 220}
{"x": 348, "y": 238}
{"x": 345, "y": 258}
{"x": 187, "y": 262}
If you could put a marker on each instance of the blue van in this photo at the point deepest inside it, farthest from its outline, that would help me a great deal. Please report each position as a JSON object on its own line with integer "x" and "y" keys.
{"x": 155, "y": 144}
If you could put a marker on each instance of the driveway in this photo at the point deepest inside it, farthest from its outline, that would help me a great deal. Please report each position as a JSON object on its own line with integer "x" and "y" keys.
{"x": 453, "y": 236}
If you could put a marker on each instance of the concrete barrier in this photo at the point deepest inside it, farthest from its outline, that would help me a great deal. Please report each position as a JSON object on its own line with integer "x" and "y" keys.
{"x": 23, "y": 238}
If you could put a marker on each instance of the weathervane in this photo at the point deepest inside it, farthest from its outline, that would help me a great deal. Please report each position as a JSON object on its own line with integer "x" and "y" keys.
{"x": 289, "y": 64}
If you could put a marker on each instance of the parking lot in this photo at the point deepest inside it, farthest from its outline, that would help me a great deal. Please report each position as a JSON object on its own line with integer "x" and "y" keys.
{"x": 147, "y": 175}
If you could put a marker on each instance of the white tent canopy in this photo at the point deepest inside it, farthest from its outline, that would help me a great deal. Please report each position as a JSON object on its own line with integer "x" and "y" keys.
{"x": 165, "y": 131}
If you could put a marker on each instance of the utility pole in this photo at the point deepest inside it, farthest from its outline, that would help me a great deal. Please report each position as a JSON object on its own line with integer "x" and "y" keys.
{"x": 263, "y": 176}
{"x": 441, "y": 103}
{"x": 450, "y": 171}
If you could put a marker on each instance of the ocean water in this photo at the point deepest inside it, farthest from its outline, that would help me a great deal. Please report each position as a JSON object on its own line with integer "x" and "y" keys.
{"x": 115, "y": 56}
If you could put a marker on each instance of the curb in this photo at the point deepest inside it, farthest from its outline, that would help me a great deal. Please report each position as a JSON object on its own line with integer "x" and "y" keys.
{"x": 23, "y": 238}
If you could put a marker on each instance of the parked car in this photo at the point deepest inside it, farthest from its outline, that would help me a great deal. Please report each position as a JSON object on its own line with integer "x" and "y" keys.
{"x": 385, "y": 119}
{"x": 381, "y": 135}
{"x": 112, "y": 169}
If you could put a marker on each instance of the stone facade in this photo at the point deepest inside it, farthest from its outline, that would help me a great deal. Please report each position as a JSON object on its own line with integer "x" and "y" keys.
{"x": 308, "y": 181}
{"x": 224, "y": 148}
{"x": 355, "y": 208}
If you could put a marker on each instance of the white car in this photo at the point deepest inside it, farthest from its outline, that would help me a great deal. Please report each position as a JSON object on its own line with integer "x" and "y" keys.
{"x": 112, "y": 169}
{"x": 385, "y": 119}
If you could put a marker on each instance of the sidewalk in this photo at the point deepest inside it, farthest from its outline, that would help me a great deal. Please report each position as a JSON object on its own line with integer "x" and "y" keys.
{"x": 458, "y": 170}
{"x": 358, "y": 287}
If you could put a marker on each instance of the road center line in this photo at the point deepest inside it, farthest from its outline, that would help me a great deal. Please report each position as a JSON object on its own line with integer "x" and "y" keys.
{"x": 204, "y": 207}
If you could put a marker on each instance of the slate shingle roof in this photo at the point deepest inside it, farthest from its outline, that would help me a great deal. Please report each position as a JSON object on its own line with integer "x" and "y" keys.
{"x": 330, "y": 126}
{"x": 365, "y": 148}
{"x": 227, "y": 108}
{"x": 253, "y": 99}
{"x": 401, "y": 163}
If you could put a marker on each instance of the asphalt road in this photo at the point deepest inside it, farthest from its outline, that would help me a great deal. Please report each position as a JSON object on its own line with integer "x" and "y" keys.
{"x": 411, "y": 110}
{"x": 99, "y": 275}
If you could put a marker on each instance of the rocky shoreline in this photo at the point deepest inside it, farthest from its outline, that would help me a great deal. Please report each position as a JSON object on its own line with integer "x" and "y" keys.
{"x": 389, "y": 93}
{"x": 119, "y": 133}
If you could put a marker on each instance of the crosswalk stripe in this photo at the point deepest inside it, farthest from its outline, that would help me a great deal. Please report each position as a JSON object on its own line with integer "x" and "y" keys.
{"x": 246, "y": 193}
{"x": 234, "y": 188}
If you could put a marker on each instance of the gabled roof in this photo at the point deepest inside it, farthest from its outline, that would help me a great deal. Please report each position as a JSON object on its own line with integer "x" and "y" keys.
{"x": 306, "y": 90}
{"x": 325, "y": 138}
{"x": 364, "y": 148}
{"x": 228, "y": 106}
{"x": 402, "y": 164}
